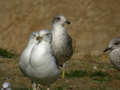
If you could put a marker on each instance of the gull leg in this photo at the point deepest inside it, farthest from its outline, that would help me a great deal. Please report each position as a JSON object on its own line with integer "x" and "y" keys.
{"x": 63, "y": 74}
{"x": 38, "y": 86}
{"x": 34, "y": 86}
{"x": 63, "y": 71}
{"x": 48, "y": 88}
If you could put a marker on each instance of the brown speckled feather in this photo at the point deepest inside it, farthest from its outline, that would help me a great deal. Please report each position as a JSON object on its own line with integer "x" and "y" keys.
{"x": 63, "y": 51}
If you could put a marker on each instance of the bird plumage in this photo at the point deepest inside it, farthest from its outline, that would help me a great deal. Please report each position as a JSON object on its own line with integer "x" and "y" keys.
{"x": 41, "y": 64}
{"x": 114, "y": 48}
{"x": 6, "y": 86}
{"x": 61, "y": 40}
{"x": 24, "y": 59}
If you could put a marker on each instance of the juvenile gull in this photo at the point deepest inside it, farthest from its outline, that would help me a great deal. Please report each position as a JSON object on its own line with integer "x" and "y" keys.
{"x": 6, "y": 86}
{"x": 61, "y": 41}
{"x": 43, "y": 67}
{"x": 25, "y": 57}
{"x": 114, "y": 48}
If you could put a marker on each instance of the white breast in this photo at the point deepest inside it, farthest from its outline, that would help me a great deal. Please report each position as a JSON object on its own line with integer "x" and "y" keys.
{"x": 42, "y": 64}
{"x": 115, "y": 58}
{"x": 59, "y": 36}
{"x": 24, "y": 59}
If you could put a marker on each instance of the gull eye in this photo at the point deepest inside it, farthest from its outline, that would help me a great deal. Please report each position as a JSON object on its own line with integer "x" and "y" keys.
{"x": 117, "y": 43}
{"x": 57, "y": 18}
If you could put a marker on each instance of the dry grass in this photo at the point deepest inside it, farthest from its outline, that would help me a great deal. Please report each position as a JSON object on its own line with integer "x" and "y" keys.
{"x": 81, "y": 74}
{"x": 94, "y": 23}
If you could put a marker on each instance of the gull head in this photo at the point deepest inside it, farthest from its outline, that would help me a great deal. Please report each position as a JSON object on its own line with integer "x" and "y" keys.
{"x": 33, "y": 37}
{"x": 6, "y": 85}
{"x": 113, "y": 44}
{"x": 60, "y": 20}
{"x": 45, "y": 35}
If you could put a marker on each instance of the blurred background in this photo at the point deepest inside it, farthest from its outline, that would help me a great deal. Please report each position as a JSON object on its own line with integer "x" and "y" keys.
{"x": 93, "y": 24}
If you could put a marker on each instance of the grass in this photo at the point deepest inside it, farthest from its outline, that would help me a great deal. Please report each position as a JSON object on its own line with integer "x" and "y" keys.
{"x": 96, "y": 75}
{"x": 102, "y": 88}
{"x": 58, "y": 88}
{"x": 61, "y": 88}
{"x": 98, "y": 22}
{"x": 76, "y": 74}
{"x": 21, "y": 89}
{"x": 100, "y": 76}
{"x": 7, "y": 54}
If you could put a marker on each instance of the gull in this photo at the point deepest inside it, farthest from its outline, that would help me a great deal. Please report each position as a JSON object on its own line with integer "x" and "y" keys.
{"x": 114, "y": 48}
{"x": 61, "y": 41}
{"x": 43, "y": 67}
{"x": 6, "y": 86}
{"x": 25, "y": 57}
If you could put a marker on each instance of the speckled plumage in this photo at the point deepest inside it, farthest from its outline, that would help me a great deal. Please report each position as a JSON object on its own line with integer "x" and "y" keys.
{"x": 61, "y": 41}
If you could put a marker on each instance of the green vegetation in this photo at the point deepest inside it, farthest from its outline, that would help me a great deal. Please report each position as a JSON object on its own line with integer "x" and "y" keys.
{"x": 100, "y": 76}
{"x": 22, "y": 89}
{"x": 30, "y": 89}
{"x": 97, "y": 75}
{"x": 80, "y": 75}
{"x": 59, "y": 88}
{"x": 76, "y": 74}
{"x": 7, "y": 54}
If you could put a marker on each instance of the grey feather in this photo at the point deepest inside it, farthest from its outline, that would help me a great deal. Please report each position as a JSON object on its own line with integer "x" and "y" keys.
{"x": 114, "y": 47}
{"x": 61, "y": 41}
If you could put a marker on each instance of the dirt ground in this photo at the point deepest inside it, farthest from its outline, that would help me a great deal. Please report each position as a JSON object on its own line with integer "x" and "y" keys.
{"x": 93, "y": 24}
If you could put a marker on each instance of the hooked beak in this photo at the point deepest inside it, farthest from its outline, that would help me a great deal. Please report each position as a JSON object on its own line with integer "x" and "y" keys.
{"x": 107, "y": 49}
{"x": 68, "y": 22}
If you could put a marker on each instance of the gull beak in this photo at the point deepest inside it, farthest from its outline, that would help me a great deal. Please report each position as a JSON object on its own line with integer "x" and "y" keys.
{"x": 107, "y": 49}
{"x": 68, "y": 22}
{"x": 38, "y": 38}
